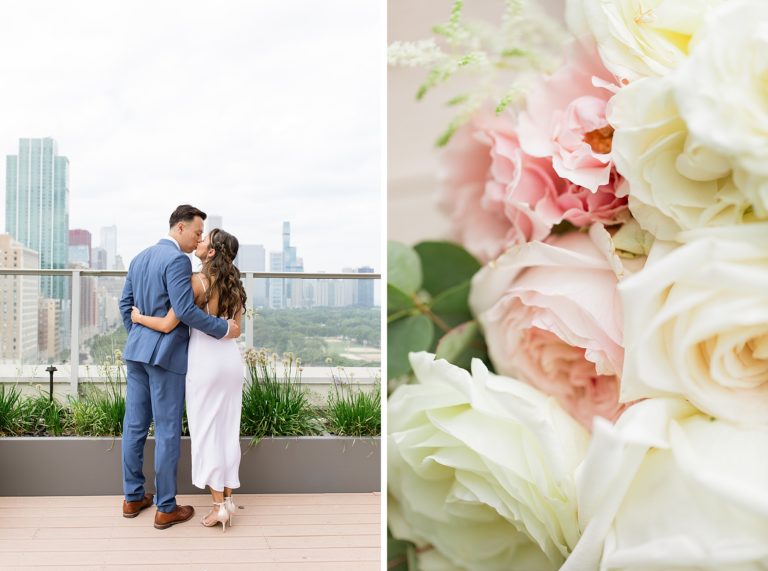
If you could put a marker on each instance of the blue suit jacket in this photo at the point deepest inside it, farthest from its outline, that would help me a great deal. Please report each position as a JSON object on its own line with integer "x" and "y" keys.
{"x": 160, "y": 278}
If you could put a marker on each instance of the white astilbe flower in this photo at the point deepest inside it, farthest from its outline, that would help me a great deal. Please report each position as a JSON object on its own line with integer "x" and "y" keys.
{"x": 502, "y": 58}
{"x": 415, "y": 54}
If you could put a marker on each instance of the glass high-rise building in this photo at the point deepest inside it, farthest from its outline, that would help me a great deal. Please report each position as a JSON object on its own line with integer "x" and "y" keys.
{"x": 365, "y": 288}
{"x": 292, "y": 289}
{"x": 276, "y": 285}
{"x": 80, "y": 247}
{"x": 109, "y": 244}
{"x": 37, "y": 207}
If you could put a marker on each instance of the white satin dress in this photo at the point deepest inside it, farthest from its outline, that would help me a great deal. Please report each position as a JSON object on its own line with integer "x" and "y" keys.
{"x": 214, "y": 401}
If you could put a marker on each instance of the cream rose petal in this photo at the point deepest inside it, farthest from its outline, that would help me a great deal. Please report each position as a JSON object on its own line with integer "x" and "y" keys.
{"x": 721, "y": 91}
{"x": 481, "y": 467}
{"x": 669, "y": 488}
{"x": 696, "y": 323}
{"x": 639, "y": 38}
{"x": 675, "y": 183}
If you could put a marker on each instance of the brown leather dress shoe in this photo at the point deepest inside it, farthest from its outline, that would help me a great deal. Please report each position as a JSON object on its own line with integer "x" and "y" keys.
{"x": 179, "y": 515}
{"x": 132, "y": 509}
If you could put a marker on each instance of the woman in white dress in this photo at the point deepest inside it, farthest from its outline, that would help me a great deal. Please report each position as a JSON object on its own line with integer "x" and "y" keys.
{"x": 214, "y": 388}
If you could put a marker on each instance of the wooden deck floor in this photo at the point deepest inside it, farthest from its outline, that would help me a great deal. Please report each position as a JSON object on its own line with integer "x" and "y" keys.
{"x": 296, "y": 531}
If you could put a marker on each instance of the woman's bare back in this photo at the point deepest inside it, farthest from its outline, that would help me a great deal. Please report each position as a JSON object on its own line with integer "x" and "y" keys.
{"x": 200, "y": 287}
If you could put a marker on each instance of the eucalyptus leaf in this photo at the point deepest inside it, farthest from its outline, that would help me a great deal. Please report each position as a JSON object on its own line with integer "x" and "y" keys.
{"x": 412, "y": 333}
{"x": 397, "y": 300}
{"x": 403, "y": 268}
{"x": 461, "y": 344}
{"x": 452, "y": 305}
{"x": 445, "y": 265}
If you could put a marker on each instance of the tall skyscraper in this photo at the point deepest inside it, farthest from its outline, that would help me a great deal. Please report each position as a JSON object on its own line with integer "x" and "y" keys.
{"x": 346, "y": 290}
{"x": 252, "y": 258}
{"x": 293, "y": 295}
{"x": 37, "y": 207}
{"x": 365, "y": 288}
{"x": 286, "y": 236}
{"x": 109, "y": 243}
{"x": 276, "y": 284}
{"x": 307, "y": 292}
{"x": 99, "y": 259}
{"x": 19, "y": 298}
{"x": 290, "y": 262}
{"x": 323, "y": 292}
{"x": 49, "y": 329}
{"x": 89, "y": 307}
{"x": 80, "y": 247}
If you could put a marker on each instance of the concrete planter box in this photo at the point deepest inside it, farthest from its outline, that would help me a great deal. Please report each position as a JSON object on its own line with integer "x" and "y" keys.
{"x": 73, "y": 466}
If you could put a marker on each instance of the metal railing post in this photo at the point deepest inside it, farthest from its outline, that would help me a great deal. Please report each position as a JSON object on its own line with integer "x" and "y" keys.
{"x": 249, "y": 281}
{"x": 74, "y": 339}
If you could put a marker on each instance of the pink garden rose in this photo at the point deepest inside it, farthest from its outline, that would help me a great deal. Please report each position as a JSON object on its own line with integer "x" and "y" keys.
{"x": 551, "y": 313}
{"x": 484, "y": 231}
{"x": 565, "y": 119}
{"x": 497, "y": 195}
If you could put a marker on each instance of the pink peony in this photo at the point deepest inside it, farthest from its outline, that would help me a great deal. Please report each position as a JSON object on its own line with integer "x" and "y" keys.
{"x": 551, "y": 313}
{"x": 565, "y": 119}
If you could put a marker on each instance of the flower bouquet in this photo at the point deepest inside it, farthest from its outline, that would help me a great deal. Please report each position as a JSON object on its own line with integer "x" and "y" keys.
{"x": 579, "y": 380}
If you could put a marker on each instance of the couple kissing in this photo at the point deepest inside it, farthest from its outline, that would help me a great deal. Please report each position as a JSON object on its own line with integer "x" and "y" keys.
{"x": 181, "y": 340}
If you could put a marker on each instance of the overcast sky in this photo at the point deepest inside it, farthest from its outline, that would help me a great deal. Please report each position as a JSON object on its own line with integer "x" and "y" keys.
{"x": 257, "y": 111}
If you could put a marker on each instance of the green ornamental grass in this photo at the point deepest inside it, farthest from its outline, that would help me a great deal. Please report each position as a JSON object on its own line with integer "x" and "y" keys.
{"x": 11, "y": 411}
{"x": 100, "y": 412}
{"x": 45, "y": 417}
{"x": 275, "y": 405}
{"x": 353, "y": 411}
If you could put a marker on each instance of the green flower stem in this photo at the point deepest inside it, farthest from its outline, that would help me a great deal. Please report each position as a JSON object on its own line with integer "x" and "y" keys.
{"x": 420, "y": 308}
{"x": 425, "y": 309}
{"x": 402, "y": 313}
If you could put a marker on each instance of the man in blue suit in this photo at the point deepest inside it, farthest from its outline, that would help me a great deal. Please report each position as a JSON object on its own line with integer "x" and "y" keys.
{"x": 160, "y": 278}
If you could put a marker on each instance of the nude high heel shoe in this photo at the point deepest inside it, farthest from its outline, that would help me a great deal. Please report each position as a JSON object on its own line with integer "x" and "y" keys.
{"x": 231, "y": 508}
{"x": 222, "y": 515}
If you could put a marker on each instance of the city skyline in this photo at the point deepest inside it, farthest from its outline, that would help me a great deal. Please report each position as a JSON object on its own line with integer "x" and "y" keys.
{"x": 274, "y": 248}
{"x": 170, "y": 116}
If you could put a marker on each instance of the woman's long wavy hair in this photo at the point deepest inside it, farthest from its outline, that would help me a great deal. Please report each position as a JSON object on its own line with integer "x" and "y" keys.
{"x": 223, "y": 275}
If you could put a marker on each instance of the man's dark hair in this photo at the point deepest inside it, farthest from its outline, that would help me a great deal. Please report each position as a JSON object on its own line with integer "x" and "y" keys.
{"x": 185, "y": 213}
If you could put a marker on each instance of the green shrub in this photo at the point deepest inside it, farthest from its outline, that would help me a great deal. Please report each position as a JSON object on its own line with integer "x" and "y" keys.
{"x": 272, "y": 405}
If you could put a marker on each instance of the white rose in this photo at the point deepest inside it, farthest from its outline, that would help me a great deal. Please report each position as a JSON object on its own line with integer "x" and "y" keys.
{"x": 675, "y": 180}
{"x": 669, "y": 488}
{"x": 696, "y": 323}
{"x": 482, "y": 468}
{"x": 722, "y": 93}
{"x": 639, "y": 38}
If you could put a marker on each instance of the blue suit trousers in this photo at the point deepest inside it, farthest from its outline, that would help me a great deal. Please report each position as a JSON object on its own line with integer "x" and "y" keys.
{"x": 152, "y": 393}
